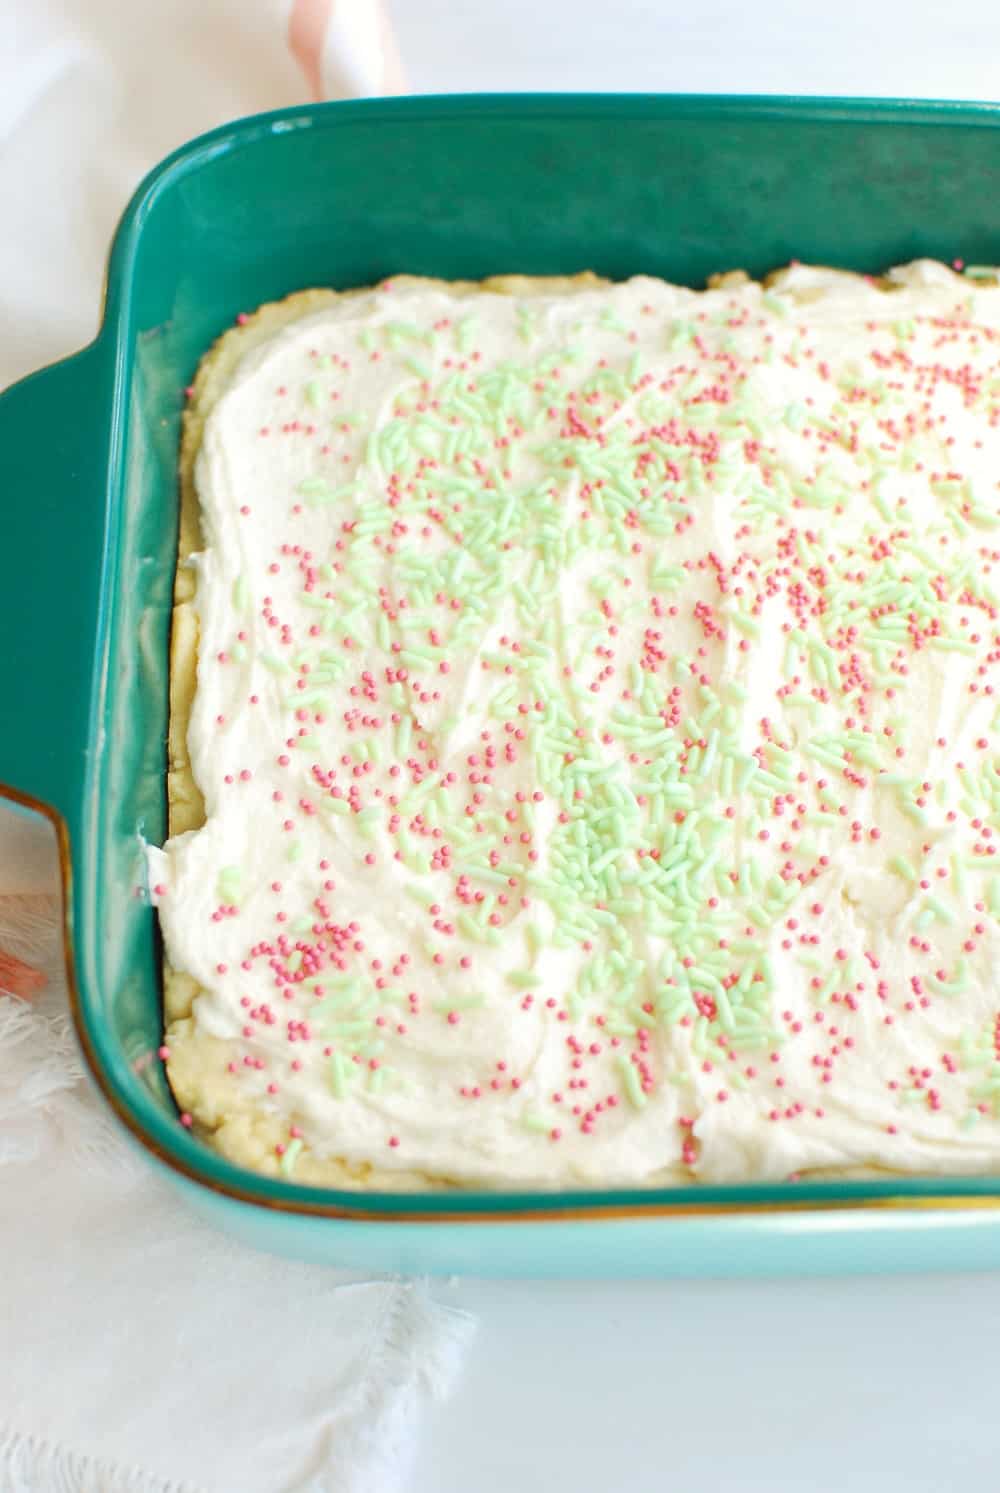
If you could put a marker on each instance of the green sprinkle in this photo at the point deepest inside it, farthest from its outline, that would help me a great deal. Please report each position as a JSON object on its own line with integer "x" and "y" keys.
{"x": 535, "y": 938}
{"x": 482, "y": 873}
{"x": 228, "y": 885}
{"x": 340, "y": 1072}
{"x": 744, "y": 623}
{"x": 367, "y": 821}
{"x": 290, "y": 1156}
{"x": 631, "y": 1082}
{"x": 316, "y": 491}
{"x": 952, "y": 645}
{"x": 748, "y": 772}
{"x": 465, "y": 333}
{"x": 311, "y": 487}
{"x": 459, "y": 1003}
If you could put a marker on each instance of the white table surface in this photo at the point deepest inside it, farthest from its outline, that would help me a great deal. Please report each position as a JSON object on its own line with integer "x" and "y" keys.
{"x": 871, "y": 1384}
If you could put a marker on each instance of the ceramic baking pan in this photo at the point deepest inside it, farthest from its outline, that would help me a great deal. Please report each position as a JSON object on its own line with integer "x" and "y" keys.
{"x": 342, "y": 195}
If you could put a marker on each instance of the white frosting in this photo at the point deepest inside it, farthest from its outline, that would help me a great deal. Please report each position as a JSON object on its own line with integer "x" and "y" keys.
{"x": 820, "y": 457}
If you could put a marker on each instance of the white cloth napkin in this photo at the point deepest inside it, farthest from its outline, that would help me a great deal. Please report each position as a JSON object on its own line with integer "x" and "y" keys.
{"x": 141, "y": 1351}
{"x": 94, "y": 92}
{"x": 146, "y": 1353}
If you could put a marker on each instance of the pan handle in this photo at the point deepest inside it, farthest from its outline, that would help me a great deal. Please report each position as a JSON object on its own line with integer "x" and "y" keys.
{"x": 54, "y": 428}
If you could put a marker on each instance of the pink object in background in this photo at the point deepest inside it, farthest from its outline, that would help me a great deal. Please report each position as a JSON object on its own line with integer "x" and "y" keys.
{"x": 18, "y": 978}
{"x": 345, "y": 48}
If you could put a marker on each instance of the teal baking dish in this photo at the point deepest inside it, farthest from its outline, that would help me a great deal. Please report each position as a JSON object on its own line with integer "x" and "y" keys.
{"x": 344, "y": 194}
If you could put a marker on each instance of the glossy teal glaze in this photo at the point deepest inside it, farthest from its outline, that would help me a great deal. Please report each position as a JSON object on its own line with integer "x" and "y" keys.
{"x": 850, "y": 1242}
{"x": 342, "y": 195}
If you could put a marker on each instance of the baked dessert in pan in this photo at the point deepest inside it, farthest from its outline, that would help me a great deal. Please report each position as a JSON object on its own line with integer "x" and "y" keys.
{"x": 583, "y": 759}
